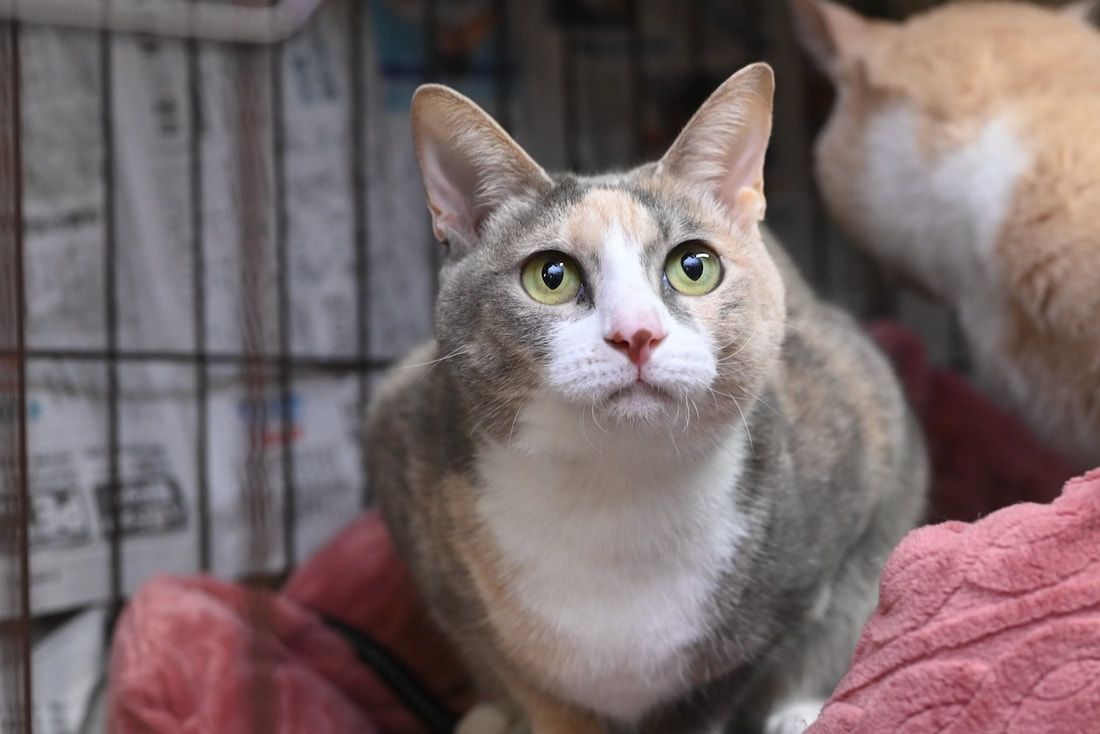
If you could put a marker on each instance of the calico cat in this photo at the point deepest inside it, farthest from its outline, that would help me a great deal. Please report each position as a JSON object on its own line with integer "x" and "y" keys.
{"x": 643, "y": 477}
{"x": 963, "y": 151}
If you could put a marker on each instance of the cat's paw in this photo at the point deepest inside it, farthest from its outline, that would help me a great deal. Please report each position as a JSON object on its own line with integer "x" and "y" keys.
{"x": 487, "y": 718}
{"x": 793, "y": 718}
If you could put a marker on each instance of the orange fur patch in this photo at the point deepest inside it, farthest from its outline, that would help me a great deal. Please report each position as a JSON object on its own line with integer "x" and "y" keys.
{"x": 603, "y": 209}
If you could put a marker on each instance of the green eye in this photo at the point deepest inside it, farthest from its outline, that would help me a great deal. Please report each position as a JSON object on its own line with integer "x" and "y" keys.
{"x": 693, "y": 269}
{"x": 551, "y": 278}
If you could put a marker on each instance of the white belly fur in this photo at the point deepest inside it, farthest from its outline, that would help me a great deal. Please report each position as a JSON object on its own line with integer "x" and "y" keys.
{"x": 614, "y": 549}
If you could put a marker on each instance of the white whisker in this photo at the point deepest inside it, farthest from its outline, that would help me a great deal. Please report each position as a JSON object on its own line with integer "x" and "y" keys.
{"x": 592, "y": 409}
{"x": 487, "y": 417}
{"x": 672, "y": 438}
{"x": 745, "y": 420}
{"x": 513, "y": 429}
{"x": 430, "y": 364}
{"x": 584, "y": 435}
{"x": 455, "y": 353}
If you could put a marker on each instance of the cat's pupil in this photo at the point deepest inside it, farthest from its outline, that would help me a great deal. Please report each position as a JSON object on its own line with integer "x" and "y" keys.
{"x": 692, "y": 265}
{"x": 553, "y": 274}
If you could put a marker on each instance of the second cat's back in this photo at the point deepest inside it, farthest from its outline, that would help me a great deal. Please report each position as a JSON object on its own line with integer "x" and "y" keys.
{"x": 962, "y": 152}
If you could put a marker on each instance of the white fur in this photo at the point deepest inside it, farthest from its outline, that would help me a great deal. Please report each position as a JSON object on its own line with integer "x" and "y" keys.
{"x": 626, "y": 291}
{"x": 488, "y": 719}
{"x": 794, "y": 718}
{"x": 942, "y": 217}
{"x": 586, "y": 370}
{"x": 616, "y": 538}
{"x": 616, "y": 544}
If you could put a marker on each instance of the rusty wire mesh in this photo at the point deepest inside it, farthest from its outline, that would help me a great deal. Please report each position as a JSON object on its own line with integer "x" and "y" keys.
{"x": 15, "y": 633}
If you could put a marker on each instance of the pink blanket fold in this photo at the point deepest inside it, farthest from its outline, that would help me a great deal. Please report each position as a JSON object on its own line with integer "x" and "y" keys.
{"x": 983, "y": 628}
{"x": 183, "y": 663}
{"x": 183, "y": 655}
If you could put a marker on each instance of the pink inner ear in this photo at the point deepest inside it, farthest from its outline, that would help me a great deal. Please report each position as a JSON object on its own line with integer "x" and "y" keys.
{"x": 450, "y": 183}
{"x": 744, "y": 167}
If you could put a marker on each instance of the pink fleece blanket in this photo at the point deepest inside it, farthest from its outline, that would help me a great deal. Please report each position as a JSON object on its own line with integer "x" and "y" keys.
{"x": 983, "y": 628}
{"x": 190, "y": 653}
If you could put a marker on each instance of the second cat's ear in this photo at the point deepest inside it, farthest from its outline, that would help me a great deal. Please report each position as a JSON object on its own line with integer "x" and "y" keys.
{"x": 722, "y": 146}
{"x": 469, "y": 164}
{"x": 829, "y": 32}
{"x": 1086, "y": 11}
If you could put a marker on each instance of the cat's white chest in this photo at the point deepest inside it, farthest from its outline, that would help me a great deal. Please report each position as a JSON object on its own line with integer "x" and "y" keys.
{"x": 620, "y": 562}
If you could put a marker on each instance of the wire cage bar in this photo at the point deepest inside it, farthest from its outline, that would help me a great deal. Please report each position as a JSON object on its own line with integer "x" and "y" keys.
{"x": 15, "y": 632}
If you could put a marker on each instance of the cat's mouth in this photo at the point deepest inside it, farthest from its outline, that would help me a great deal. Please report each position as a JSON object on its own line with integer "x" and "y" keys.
{"x": 639, "y": 390}
{"x": 639, "y": 401}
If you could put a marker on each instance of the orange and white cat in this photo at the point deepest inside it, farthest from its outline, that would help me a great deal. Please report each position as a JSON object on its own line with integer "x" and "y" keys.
{"x": 964, "y": 151}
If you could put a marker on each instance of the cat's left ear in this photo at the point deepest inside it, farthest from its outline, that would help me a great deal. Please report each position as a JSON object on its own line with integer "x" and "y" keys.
{"x": 469, "y": 164}
{"x": 831, "y": 33}
{"x": 722, "y": 147}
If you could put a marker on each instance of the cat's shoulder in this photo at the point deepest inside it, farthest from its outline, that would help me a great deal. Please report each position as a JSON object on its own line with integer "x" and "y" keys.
{"x": 826, "y": 355}
{"x": 798, "y": 293}
{"x": 394, "y": 399}
{"x": 409, "y": 370}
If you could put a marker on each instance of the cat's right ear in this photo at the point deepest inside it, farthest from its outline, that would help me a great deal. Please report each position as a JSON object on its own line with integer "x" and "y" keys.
{"x": 830, "y": 33}
{"x": 469, "y": 164}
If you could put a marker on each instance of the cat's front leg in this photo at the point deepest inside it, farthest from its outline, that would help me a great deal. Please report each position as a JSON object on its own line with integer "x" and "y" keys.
{"x": 793, "y": 718}
{"x": 492, "y": 718}
{"x": 548, "y": 714}
{"x": 531, "y": 711}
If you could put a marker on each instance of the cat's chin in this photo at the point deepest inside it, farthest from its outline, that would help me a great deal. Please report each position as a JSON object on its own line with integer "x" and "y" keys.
{"x": 639, "y": 402}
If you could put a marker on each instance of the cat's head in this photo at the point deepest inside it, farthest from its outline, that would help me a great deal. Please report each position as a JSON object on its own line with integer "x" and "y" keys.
{"x": 920, "y": 105}
{"x": 644, "y": 298}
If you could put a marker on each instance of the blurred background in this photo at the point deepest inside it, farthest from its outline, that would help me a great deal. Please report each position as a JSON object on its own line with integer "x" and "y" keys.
{"x": 214, "y": 239}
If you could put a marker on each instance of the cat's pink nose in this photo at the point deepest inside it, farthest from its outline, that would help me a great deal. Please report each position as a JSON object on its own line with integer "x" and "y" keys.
{"x": 640, "y": 343}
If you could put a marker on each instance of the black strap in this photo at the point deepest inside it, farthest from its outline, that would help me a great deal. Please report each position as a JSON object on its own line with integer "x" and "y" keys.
{"x": 402, "y": 681}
